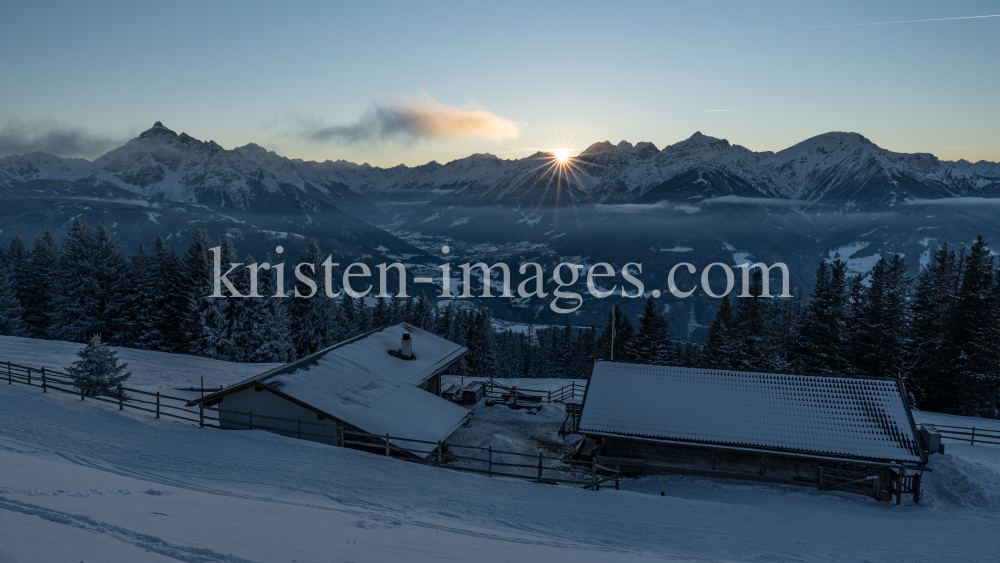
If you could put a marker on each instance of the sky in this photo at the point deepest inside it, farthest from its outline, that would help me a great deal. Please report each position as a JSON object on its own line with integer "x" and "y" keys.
{"x": 389, "y": 83}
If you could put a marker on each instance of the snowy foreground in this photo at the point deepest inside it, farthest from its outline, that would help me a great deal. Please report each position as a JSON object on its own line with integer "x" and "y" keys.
{"x": 86, "y": 482}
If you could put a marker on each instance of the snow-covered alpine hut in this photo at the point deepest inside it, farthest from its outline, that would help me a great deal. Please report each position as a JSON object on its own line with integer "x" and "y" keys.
{"x": 384, "y": 382}
{"x": 844, "y": 433}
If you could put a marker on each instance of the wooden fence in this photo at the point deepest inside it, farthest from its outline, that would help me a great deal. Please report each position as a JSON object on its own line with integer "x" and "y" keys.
{"x": 565, "y": 394}
{"x": 538, "y": 468}
{"x": 971, "y": 435}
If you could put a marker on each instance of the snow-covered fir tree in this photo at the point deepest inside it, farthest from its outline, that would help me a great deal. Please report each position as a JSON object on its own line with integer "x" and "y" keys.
{"x": 205, "y": 319}
{"x": 18, "y": 258}
{"x": 38, "y": 284}
{"x": 822, "y": 343}
{"x": 172, "y": 298}
{"x": 11, "y": 313}
{"x": 313, "y": 320}
{"x": 882, "y": 325}
{"x": 971, "y": 345}
{"x": 98, "y": 372}
{"x": 76, "y": 307}
{"x": 933, "y": 307}
{"x": 261, "y": 333}
{"x": 652, "y": 340}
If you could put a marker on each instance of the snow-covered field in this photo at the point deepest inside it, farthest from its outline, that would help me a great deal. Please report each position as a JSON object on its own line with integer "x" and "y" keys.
{"x": 82, "y": 481}
{"x": 150, "y": 370}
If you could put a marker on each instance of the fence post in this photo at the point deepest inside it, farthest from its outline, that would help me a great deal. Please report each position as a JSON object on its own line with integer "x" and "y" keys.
{"x": 121, "y": 406}
{"x": 618, "y": 476}
{"x": 440, "y": 452}
{"x": 82, "y": 392}
{"x": 45, "y": 388}
{"x": 10, "y": 379}
{"x": 249, "y": 420}
{"x": 594, "y": 474}
{"x": 157, "y": 404}
{"x": 201, "y": 415}
{"x": 899, "y": 485}
{"x": 550, "y": 396}
{"x": 298, "y": 428}
{"x": 387, "y": 444}
{"x": 490, "y": 461}
{"x": 29, "y": 376}
{"x": 539, "y": 467}
{"x": 973, "y": 441}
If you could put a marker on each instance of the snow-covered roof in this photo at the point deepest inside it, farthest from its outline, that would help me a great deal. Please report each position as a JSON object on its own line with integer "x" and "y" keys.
{"x": 359, "y": 383}
{"x": 835, "y": 416}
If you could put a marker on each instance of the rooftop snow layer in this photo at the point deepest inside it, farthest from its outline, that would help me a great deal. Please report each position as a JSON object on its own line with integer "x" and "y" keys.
{"x": 859, "y": 418}
{"x": 359, "y": 383}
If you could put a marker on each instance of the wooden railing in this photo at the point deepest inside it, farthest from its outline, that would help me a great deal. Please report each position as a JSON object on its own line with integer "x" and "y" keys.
{"x": 539, "y": 468}
{"x": 972, "y": 435}
{"x": 567, "y": 393}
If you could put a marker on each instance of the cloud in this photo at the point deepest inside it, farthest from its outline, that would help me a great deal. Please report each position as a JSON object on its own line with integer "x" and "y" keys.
{"x": 767, "y": 201}
{"x": 955, "y": 201}
{"x": 411, "y": 121}
{"x": 876, "y": 23}
{"x": 21, "y": 137}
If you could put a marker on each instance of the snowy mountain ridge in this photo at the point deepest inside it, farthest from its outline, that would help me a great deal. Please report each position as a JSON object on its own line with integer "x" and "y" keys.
{"x": 845, "y": 170}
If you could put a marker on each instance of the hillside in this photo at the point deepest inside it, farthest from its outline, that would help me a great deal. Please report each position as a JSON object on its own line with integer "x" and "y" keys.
{"x": 123, "y": 486}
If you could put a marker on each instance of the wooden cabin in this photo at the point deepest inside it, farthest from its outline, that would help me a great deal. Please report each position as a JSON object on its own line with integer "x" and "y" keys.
{"x": 384, "y": 382}
{"x": 843, "y": 433}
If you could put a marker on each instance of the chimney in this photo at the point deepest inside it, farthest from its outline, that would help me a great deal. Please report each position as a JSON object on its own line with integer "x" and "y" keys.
{"x": 406, "y": 350}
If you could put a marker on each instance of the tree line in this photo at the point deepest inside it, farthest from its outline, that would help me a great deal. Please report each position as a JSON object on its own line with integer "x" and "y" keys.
{"x": 158, "y": 299}
{"x": 939, "y": 332}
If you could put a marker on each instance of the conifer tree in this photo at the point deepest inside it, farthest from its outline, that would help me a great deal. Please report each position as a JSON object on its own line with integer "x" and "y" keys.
{"x": 142, "y": 304}
{"x": 310, "y": 318}
{"x": 11, "y": 312}
{"x": 38, "y": 286}
{"x": 351, "y": 316}
{"x": 719, "y": 345}
{"x": 625, "y": 332}
{"x": 481, "y": 359}
{"x": 882, "y": 326}
{"x": 756, "y": 337}
{"x": 652, "y": 340}
{"x": 261, "y": 333}
{"x": 381, "y": 312}
{"x": 75, "y": 313}
{"x": 970, "y": 349}
{"x": 822, "y": 343}
{"x": 98, "y": 372}
{"x": 111, "y": 268}
{"x": 933, "y": 307}
{"x": 18, "y": 259}
{"x": 172, "y": 298}
{"x": 205, "y": 319}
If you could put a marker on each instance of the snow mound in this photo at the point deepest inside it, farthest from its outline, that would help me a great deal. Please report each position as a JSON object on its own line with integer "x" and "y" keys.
{"x": 965, "y": 481}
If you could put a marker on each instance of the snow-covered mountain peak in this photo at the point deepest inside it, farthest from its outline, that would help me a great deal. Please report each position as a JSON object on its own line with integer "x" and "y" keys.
{"x": 698, "y": 142}
{"x": 597, "y": 148}
{"x": 157, "y": 130}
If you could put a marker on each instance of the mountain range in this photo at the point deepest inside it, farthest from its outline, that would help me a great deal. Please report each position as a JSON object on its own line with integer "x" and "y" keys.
{"x": 702, "y": 199}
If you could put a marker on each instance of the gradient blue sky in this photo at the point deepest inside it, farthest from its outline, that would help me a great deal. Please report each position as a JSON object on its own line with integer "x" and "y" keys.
{"x": 568, "y": 73}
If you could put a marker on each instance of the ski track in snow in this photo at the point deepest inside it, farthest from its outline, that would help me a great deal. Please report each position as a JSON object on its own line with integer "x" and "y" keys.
{"x": 146, "y": 541}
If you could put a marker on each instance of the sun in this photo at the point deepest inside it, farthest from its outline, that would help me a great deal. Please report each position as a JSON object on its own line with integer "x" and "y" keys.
{"x": 562, "y": 155}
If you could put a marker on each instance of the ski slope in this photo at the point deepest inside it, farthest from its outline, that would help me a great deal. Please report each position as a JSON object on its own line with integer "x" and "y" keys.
{"x": 82, "y": 481}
